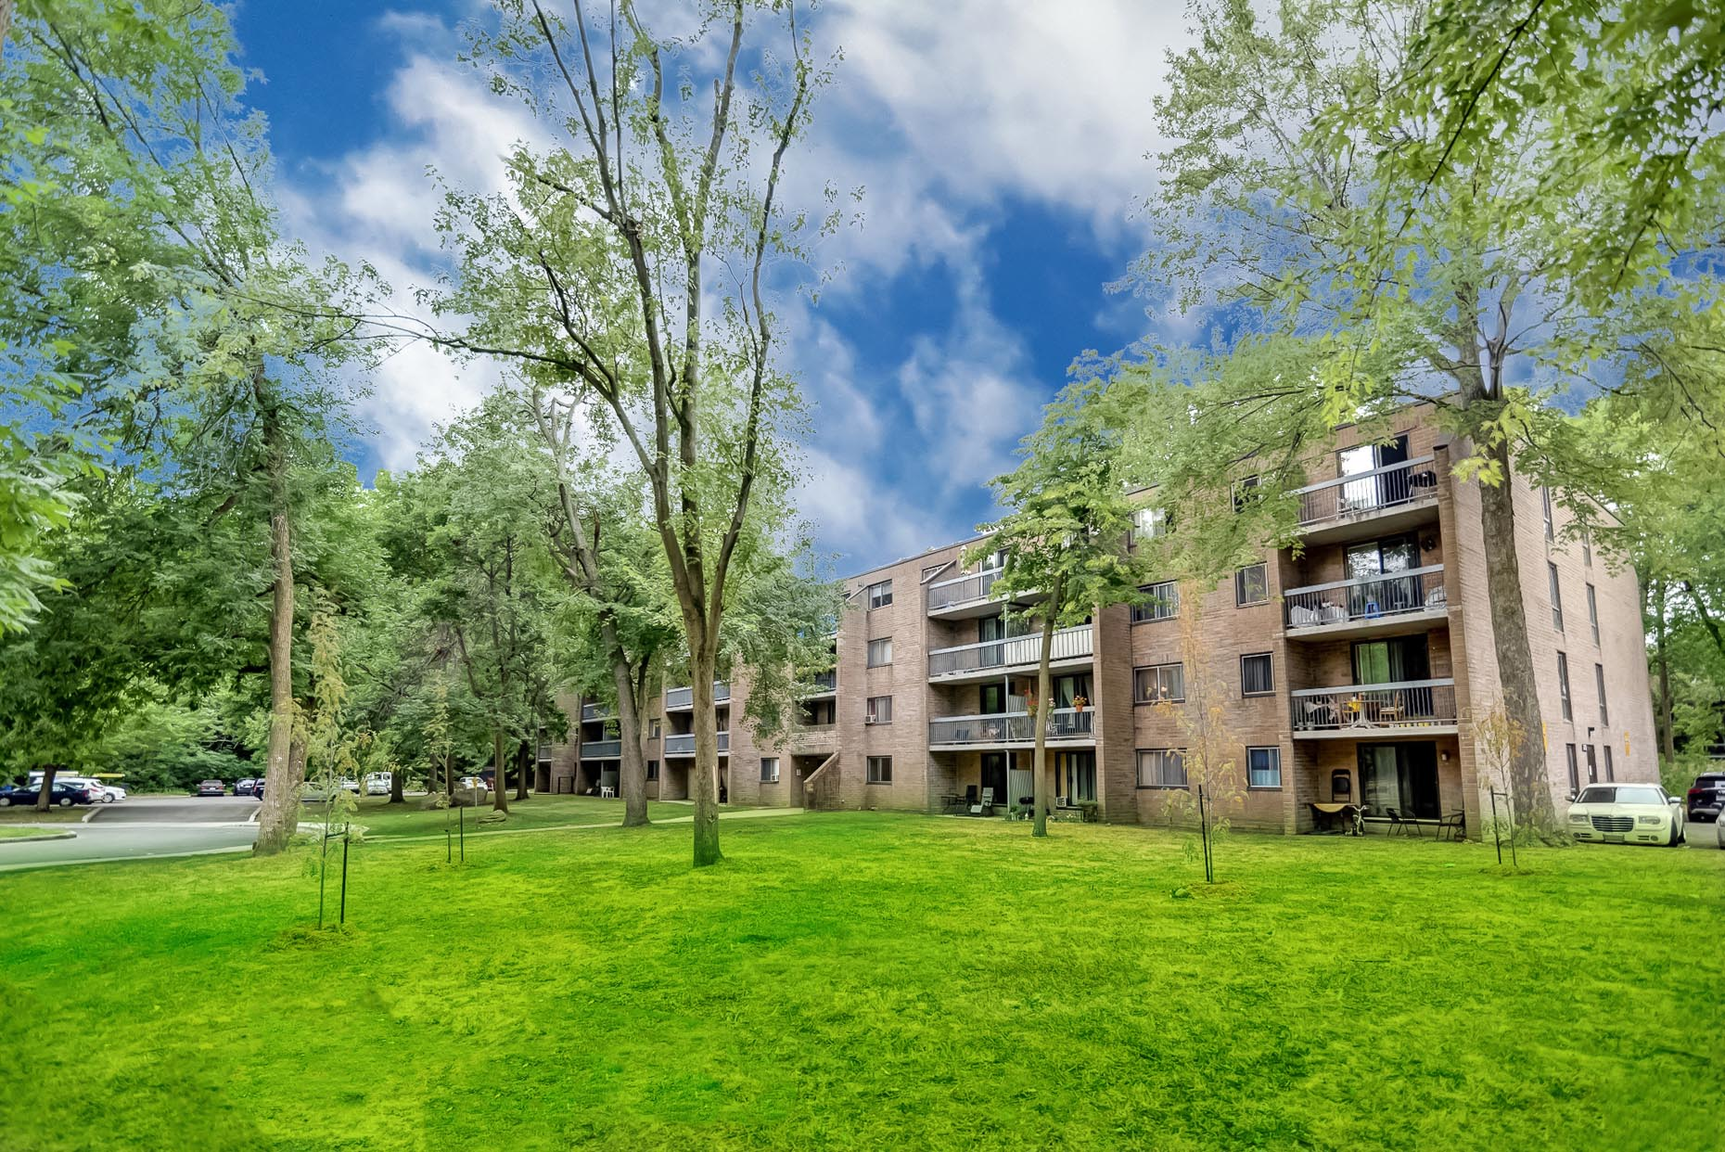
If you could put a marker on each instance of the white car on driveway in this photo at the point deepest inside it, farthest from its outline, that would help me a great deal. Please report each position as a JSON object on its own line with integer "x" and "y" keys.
{"x": 1626, "y": 814}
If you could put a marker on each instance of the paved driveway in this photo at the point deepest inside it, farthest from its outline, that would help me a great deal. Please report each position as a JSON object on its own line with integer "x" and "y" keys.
{"x": 140, "y": 828}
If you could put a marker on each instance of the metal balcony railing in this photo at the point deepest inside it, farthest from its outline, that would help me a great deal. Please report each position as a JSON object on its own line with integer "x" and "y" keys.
{"x": 1406, "y": 704}
{"x": 1014, "y": 652}
{"x": 823, "y": 683}
{"x": 683, "y": 743}
{"x": 1386, "y": 487}
{"x": 601, "y": 749}
{"x": 596, "y": 712}
{"x": 962, "y": 589}
{"x": 679, "y": 698}
{"x": 1011, "y": 727}
{"x": 1365, "y": 598}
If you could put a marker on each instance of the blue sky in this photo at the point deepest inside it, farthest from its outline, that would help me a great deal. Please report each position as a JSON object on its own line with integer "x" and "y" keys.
{"x": 1001, "y": 149}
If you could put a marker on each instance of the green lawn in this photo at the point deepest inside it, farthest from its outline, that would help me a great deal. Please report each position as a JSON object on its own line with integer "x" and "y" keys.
{"x": 17, "y": 814}
{"x": 870, "y": 981}
{"x": 15, "y": 833}
{"x": 383, "y": 819}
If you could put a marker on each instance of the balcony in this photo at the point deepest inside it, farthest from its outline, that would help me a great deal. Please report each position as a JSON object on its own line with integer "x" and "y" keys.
{"x": 822, "y": 684}
{"x": 1399, "y": 602}
{"x": 683, "y": 699}
{"x": 1011, "y": 729}
{"x": 1375, "y": 711}
{"x": 813, "y": 737}
{"x": 597, "y": 712}
{"x": 601, "y": 749}
{"x": 683, "y": 744}
{"x": 992, "y": 659}
{"x": 1385, "y": 499}
{"x": 963, "y": 596}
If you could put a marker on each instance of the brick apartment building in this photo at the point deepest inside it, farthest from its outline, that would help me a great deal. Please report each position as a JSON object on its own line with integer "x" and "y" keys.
{"x": 1352, "y": 672}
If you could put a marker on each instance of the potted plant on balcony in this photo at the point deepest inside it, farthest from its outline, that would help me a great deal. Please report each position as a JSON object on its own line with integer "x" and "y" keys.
{"x": 1079, "y": 703}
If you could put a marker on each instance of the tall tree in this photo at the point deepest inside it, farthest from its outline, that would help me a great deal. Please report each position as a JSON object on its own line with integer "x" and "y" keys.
{"x": 1065, "y": 536}
{"x": 630, "y": 263}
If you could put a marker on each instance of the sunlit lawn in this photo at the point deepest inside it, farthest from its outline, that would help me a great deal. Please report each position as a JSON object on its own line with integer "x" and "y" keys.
{"x": 870, "y": 981}
{"x": 14, "y": 833}
{"x": 14, "y": 814}
{"x": 412, "y": 818}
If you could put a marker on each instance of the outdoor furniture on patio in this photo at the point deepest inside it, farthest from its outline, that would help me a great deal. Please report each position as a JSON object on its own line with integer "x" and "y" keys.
{"x": 1391, "y": 712}
{"x": 949, "y": 801}
{"x": 1320, "y": 714}
{"x": 1342, "y": 813}
{"x": 1399, "y": 823}
{"x": 984, "y": 806}
{"x": 1453, "y": 826}
{"x": 606, "y": 792}
{"x": 1355, "y": 707}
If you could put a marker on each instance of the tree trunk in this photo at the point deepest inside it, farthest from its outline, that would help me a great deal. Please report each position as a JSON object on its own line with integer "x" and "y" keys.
{"x": 1667, "y": 733}
{"x": 44, "y": 798}
{"x": 499, "y": 773}
{"x": 632, "y": 779}
{"x": 5, "y": 23}
{"x": 704, "y": 784}
{"x": 397, "y": 786}
{"x": 1528, "y": 777}
{"x": 526, "y": 755}
{"x": 1044, "y": 686}
{"x": 279, "y": 815}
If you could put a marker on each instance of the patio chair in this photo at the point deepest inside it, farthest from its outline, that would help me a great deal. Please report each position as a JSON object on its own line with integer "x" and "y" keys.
{"x": 1391, "y": 712}
{"x": 985, "y": 805}
{"x": 1400, "y": 823}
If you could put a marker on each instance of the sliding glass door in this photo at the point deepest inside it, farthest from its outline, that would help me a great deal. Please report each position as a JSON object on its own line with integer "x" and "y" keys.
{"x": 1402, "y": 777}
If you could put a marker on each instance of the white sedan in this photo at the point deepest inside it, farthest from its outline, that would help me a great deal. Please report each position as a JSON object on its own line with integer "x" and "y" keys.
{"x": 1626, "y": 814}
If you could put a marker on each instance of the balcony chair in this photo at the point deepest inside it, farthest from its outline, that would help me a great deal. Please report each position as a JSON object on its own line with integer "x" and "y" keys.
{"x": 1393, "y": 712}
{"x": 985, "y": 805}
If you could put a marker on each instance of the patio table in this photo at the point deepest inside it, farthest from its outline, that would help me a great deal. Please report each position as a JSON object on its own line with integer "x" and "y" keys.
{"x": 1350, "y": 814}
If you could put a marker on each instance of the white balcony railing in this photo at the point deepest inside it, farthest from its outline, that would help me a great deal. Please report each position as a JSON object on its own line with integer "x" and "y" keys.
{"x": 1011, "y": 727}
{"x": 962, "y": 589}
{"x": 1014, "y": 652}
{"x": 1361, "y": 492}
{"x": 1367, "y": 598}
{"x": 684, "y": 698}
{"x": 601, "y": 749}
{"x": 683, "y": 743}
{"x": 1405, "y": 704}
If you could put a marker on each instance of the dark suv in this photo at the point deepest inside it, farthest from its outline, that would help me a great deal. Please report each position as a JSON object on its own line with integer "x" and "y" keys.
{"x": 1707, "y": 797}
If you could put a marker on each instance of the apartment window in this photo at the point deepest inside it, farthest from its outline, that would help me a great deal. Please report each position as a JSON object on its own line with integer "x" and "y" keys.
{"x": 1609, "y": 774}
{"x": 931, "y": 571}
{"x": 880, "y": 769}
{"x": 655, "y": 729}
{"x": 1599, "y": 685}
{"x": 879, "y": 595}
{"x": 1245, "y": 492}
{"x": 1592, "y": 765}
{"x": 1587, "y": 547}
{"x": 1149, "y": 523}
{"x": 1263, "y": 767}
{"x": 1159, "y": 683}
{"x": 880, "y": 652}
{"x": 1556, "y": 597}
{"x": 1161, "y": 768}
{"x": 1163, "y": 602}
{"x": 1251, "y": 585}
{"x": 879, "y": 710}
{"x": 769, "y": 769}
{"x": 1593, "y": 611}
{"x": 652, "y": 771}
{"x": 1257, "y": 676}
{"x": 1550, "y": 525}
{"x": 1574, "y": 770}
{"x": 1563, "y": 685}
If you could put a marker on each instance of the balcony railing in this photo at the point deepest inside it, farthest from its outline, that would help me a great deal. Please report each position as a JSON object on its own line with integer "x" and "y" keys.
{"x": 1013, "y": 652}
{"x": 596, "y": 712}
{"x": 823, "y": 683}
{"x": 601, "y": 749}
{"x": 1406, "y": 704}
{"x": 814, "y": 735}
{"x": 962, "y": 589}
{"x": 1366, "y": 598}
{"x": 680, "y": 698}
{"x": 1011, "y": 727}
{"x": 1387, "y": 487}
{"x": 683, "y": 743}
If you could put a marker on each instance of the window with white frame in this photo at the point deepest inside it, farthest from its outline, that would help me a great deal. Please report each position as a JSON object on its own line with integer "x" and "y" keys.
{"x": 655, "y": 729}
{"x": 880, "y": 652}
{"x": 880, "y": 769}
{"x": 1251, "y": 585}
{"x": 1556, "y": 597}
{"x": 1593, "y": 611}
{"x": 1159, "y": 684}
{"x": 1563, "y": 686}
{"x": 879, "y": 595}
{"x": 1161, "y": 768}
{"x": 1550, "y": 521}
{"x": 1257, "y": 674}
{"x": 1599, "y": 686}
{"x": 1263, "y": 767}
{"x": 1245, "y": 492}
{"x": 879, "y": 710}
{"x": 1149, "y": 523}
{"x": 769, "y": 769}
{"x": 1162, "y": 602}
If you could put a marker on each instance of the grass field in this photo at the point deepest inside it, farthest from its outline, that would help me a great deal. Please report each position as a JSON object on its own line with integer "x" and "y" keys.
{"x": 868, "y": 981}
{"x": 18, "y": 814}
{"x": 383, "y": 819}
{"x": 15, "y": 833}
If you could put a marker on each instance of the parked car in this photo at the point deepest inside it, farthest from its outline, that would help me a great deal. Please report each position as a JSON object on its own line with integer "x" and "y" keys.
{"x": 101, "y": 792}
{"x": 378, "y": 783}
{"x": 244, "y": 787}
{"x": 64, "y": 795}
{"x": 1627, "y": 814}
{"x": 212, "y": 788}
{"x": 257, "y": 788}
{"x": 1707, "y": 797}
{"x": 348, "y": 783}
